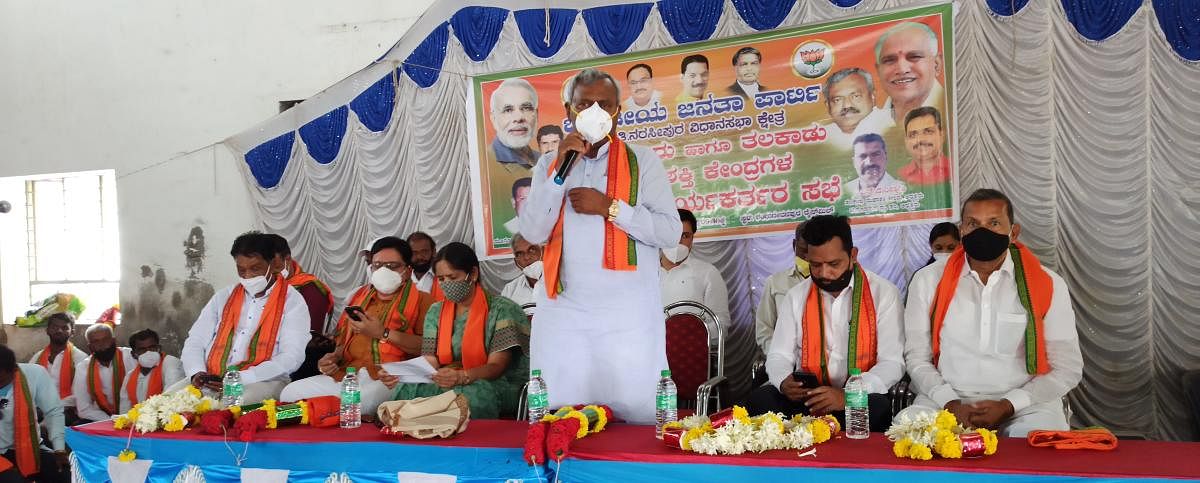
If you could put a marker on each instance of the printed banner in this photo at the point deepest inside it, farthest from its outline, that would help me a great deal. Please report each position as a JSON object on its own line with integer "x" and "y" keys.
{"x": 756, "y": 133}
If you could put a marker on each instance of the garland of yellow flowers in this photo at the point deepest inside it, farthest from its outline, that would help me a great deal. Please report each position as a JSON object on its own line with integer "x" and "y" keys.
{"x": 592, "y": 419}
{"x": 684, "y": 434}
{"x": 941, "y": 435}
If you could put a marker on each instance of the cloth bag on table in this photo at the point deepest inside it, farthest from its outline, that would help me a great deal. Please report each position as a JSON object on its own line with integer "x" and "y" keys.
{"x": 440, "y": 416}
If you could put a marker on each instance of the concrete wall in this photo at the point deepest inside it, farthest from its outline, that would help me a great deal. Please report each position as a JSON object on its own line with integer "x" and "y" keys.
{"x": 146, "y": 88}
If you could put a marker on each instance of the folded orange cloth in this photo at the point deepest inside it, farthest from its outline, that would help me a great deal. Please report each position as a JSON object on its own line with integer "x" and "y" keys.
{"x": 1090, "y": 438}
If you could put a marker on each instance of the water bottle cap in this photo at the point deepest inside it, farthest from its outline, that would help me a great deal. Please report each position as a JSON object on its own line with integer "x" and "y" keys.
{"x": 855, "y": 371}
{"x": 350, "y": 370}
{"x": 666, "y": 373}
{"x": 536, "y": 372}
{"x": 231, "y": 369}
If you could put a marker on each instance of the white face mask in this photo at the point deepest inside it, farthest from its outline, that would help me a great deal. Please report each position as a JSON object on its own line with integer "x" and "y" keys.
{"x": 593, "y": 123}
{"x": 386, "y": 280}
{"x": 677, "y": 253}
{"x": 149, "y": 359}
{"x": 255, "y": 285}
{"x": 533, "y": 270}
{"x": 941, "y": 256}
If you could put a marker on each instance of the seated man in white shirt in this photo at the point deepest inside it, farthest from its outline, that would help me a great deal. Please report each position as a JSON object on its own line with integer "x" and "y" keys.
{"x": 841, "y": 318}
{"x": 423, "y": 249}
{"x": 59, "y": 358}
{"x": 968, "y": 321}
{"x": 154, "y": 370}
{"x": 684, "y": 277}
{"x": 258, "y": 327}
{"x": 99, "y": 376}
{"x": 25, "y": 390}
{"x": 528, "y": 258}
{"x": 775, "y": 289}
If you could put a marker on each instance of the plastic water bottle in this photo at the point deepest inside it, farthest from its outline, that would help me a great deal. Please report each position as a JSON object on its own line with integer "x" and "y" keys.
{"x": 538, "y": 400}
{"x": 231, "y": 387}
{"x": 858, "y": 417}
{"x": 351, "y": 413}
{"x": 666, "y": 402}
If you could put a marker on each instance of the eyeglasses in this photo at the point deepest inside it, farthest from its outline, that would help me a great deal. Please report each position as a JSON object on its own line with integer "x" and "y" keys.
{"x": 389, "y": 265}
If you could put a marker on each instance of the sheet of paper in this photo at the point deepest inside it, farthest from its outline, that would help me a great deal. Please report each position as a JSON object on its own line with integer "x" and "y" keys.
{"x": 415, "y": 370}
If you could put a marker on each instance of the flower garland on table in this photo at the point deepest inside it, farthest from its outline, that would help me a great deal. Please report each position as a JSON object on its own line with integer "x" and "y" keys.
{"x": 927, "y": 434}
{"x": 243, "y": 422}
{"x": 732, "y": 431}
{"x": 554, "y": 433}
{"x": 171, "y": 412}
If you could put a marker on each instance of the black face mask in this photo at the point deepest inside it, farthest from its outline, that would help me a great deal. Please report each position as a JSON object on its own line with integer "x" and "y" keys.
{"x": 106, "y": 355}
{"x": 985, "y": 245}
{"x": 421, "y": 267}
{"x": 835, "y": 285}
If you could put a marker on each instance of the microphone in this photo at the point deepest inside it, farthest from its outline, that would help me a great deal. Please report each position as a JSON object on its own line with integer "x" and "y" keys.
{"x": 564, "y": 168}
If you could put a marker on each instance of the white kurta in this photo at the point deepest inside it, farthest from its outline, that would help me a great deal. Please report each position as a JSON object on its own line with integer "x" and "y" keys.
{"x": 519, "y": 291}
{"x": 172, "y": 374}
{"x": 85, "y": 406}
{"x": 602, "y": 341}
{"x": 424, "y": 283}
{"x": 698, "y": 281}
{"x": 55, "y": 370}
{"x": 775, "y": 290}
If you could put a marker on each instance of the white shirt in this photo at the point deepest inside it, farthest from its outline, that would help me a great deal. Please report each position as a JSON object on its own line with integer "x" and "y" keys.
{"x": 889, "y": 346}
{"x": 55, "y": 370}
{"x": 886, "y": 185}
{"x": 172, "y": 373}
{"x": 630, "y": 105}
{"x": 749, "y": 89}
{"x": 775, "y": 291}
{"x": 877, "y": 121}
{"x": 519, "y": 291}
{"x": 424, "y": 283}
{"x": 698, "y": 281}
{"x": 618, "y": 313}
{"x": 85, "y": 406}
{"x": 289, "y": 344}
{"x": 45, "y": 397}
{"x": 934, "y": 99}
{"x": 982, "y": 340}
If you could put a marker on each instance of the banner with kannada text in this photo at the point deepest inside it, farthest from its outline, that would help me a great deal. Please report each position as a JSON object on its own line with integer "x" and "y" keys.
{"x": 756, "y": 133}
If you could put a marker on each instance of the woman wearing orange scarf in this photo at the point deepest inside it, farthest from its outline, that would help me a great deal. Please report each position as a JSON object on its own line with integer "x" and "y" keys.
{"x": 477, "y": 341}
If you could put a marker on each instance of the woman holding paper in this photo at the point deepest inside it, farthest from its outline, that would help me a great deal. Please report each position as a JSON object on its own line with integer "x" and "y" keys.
{"x": 477, "y": 341}
{"x": 382, "y": 324}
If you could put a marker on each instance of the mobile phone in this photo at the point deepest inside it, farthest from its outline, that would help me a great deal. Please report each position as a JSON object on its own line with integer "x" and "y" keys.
{"x": 354, "y": 312}
{"x": 210, "y": 378}
{"x": 806, "y": 379}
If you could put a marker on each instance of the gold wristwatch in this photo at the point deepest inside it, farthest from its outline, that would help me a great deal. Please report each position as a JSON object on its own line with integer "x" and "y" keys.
{"x": 613, "y": 210}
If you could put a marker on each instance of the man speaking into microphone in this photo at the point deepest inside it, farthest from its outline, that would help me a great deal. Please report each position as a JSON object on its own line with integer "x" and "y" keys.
{"x": 603, "y": 208}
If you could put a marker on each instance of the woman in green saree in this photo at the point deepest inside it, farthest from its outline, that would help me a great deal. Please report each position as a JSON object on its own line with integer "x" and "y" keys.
{"x": 477, "y": 341}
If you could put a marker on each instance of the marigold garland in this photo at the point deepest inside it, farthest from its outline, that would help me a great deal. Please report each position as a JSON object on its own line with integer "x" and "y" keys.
{"x": 552, "y": 435}
{"x": 733, "y": 431}
{"x": 922, "y": 436}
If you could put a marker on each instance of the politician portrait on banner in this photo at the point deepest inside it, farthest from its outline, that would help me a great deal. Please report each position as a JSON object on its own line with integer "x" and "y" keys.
{"x": 757, "y": 132}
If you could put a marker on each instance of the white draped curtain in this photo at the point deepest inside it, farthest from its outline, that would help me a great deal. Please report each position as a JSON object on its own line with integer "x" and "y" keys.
{"x": 1096, "y": 142}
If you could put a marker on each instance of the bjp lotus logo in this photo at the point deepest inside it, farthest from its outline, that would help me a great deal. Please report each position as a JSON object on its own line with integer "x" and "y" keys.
{"x": 812, "y": 59}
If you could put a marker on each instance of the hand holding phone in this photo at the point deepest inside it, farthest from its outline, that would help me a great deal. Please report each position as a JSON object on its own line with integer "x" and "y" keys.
{"x": 806, "y": 379}
{"x": 354, "y": 312}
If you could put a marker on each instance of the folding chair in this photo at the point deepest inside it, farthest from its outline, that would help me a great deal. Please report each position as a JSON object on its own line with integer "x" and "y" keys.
{"x": 696, "y": 367}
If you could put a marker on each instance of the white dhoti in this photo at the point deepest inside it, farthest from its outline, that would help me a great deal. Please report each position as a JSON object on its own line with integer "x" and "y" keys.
{"x": 1048, "y": 416}
{"x": 372, "y": 393}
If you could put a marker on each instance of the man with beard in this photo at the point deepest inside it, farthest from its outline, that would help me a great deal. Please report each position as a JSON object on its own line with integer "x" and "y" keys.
{"x": 850, "y": 100}
{"x": 747, "y": 63}
{"x": 870, "y": 164}
{"x": 906, "y": 59}
{"x": 990, "y": 332}
{"x": 528, "y": 259}
{"x": 642, "y": 95}
{"x": 693, "y": 75}
{"x": 842, "y": 318}
{"x": 98, "y": 377}
{"x": 514, "y": 115}
{"x": 59, "y": 358}
{"x": 423, "y": 248}
{"x": 924, "y": 136}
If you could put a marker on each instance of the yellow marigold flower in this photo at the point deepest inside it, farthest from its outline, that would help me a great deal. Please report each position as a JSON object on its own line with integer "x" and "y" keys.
{"x": 820, "y": 431}
{"x": 950, "y": 447}
{"x": 177, "y": 423}
{"x": 673, "y": 425}
{"x": 834, "y": 425}
{"x": 685, "y": 442}
{"x": 771, "y": 418}
{"x": 919, "y": 451}
{"x": 134, "y": 413}
{"x": 550, "y": 418}
{"x": 193, "y": 391}
{"x": 121, "y": 422}
{"x": 269, "y": 406}
{"x": 204, "y": 407}
{"x": 602, "y": 419}
{"x": 946, "y": 420}
{"x": 304, "y": 411}
{"x": 900, "y": 448}
{"x": 740, "y": 414}
{"x": 126, "y": 455}
{"x": 990, "y": 442}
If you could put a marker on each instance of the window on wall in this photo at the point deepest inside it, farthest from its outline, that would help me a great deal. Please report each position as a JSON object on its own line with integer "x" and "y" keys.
{"x": 68, "y": 242}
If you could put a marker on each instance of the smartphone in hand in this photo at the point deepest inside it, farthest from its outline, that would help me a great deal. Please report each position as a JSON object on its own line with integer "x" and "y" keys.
{"x": 806, "y": 379}
{"x": 354, "y": 312}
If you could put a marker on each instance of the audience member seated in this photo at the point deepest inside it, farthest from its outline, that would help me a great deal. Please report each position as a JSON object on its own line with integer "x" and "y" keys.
{"x": 684, "y": 277}
{"x": 261, "y": 308}
{"x": 841, "y": 318}
{"x": 382, "y": 323}
{"x": 59, "y": 328}
{"x": 423, "y": 248}
{"x": 316, "y": 294}
{"x": 990, "y": 332}
{"x": 478, "y": 342}
{"x": 775, "y": 288}
{"x": 528, "y": 258}
{"x": 943, "y": 239}
{"x": 26, "y": 390}
{"x": 98, "y": 377}
{"x": 154, "y": 371}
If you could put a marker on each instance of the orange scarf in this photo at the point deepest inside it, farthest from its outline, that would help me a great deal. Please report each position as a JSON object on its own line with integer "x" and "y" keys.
{"x": 401, "y": 317}
{"x": 66, "y": 368}
{"x": 297, "y": 277}
{"x": 473, "y": 352}
{"x": 812, "y": 346}
{"x": 262, "y": 345}
{"x": 96, "y": 386}
{"x": 620, "y": 251}
{"x": 1034, "y": 287}
{"x": 1087, "y": 438}
{"x": 27, "y": 439}
{"x": 154, "y": 387}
